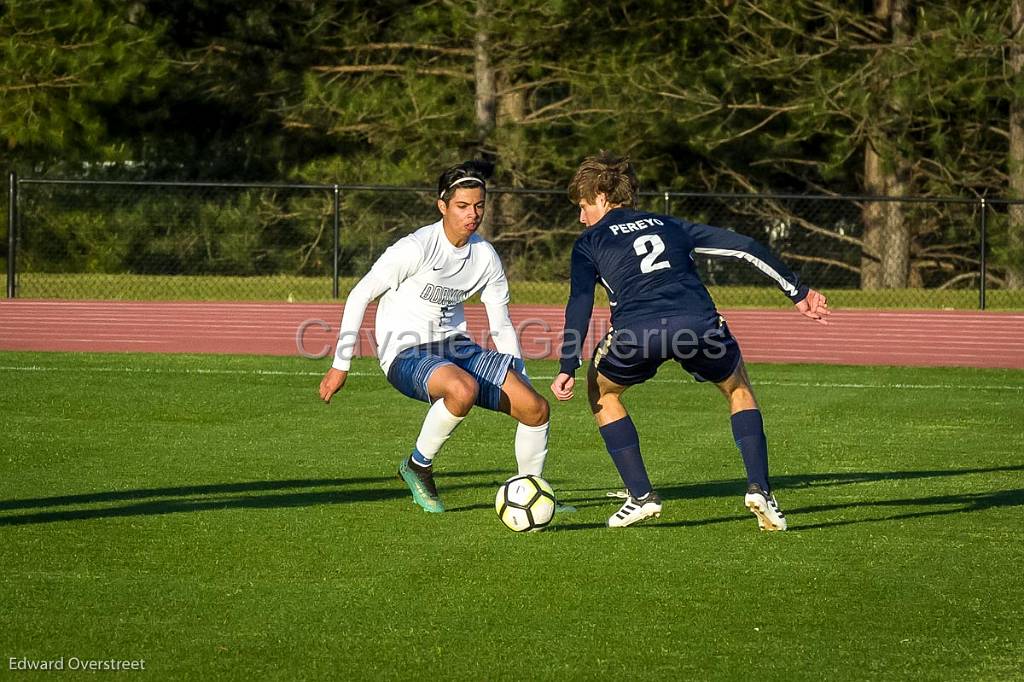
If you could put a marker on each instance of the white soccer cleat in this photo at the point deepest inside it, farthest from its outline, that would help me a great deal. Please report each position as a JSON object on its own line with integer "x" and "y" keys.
{"x": 635, "y": 510}
{"x": 765, "y": 508}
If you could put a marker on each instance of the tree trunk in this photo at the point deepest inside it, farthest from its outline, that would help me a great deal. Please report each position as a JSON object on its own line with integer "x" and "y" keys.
{"x": 887, "y": 235}
{"x": 511, "y": 151}
{"x": 897, "y": 238}
{"x": 486, "y": 98}
{"x": 1015, "y": 236}
{"x": 874, "y": 221}
{"x": 483, "y": 74}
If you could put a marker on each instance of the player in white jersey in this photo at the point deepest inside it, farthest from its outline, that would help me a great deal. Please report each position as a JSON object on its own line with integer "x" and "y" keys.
{"x": 423, "y": 280}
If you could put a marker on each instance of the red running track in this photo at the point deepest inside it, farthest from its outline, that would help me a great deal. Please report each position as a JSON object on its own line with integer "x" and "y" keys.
{"x": 854, "y": 337}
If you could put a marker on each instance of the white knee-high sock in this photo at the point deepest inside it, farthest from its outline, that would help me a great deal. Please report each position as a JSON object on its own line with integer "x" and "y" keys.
{"x": 437, "y": 427}
{"x": 532, "y": 448}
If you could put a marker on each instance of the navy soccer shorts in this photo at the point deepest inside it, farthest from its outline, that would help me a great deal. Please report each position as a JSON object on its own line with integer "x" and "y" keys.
{"x": 411, "y": 369}
{"x": 703, "y": 346}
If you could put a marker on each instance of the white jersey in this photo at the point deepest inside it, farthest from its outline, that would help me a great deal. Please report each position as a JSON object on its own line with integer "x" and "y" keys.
{"x": 424, "y": 280}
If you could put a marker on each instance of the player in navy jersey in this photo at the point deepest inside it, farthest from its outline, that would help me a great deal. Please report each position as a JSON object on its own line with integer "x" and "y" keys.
{"x": 661, "y": 311}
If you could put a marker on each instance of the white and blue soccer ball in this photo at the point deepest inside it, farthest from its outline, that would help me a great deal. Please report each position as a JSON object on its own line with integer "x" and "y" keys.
{"x": 525, "y": 503}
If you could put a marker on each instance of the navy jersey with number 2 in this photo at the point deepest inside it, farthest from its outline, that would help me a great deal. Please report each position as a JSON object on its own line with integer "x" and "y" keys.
{"x": 645, "y": 262}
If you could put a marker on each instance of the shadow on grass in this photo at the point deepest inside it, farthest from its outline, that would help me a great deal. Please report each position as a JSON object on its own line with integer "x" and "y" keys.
{"x": 737, "y": 486}
{"x": 950, "y": 504}
{"x": 311, "y": 492}
{"x": 242, "y": 495}
{"x": 936, "y": 505}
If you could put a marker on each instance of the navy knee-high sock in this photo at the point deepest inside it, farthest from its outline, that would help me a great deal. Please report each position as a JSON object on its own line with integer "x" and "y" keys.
{"x": 623, "y": 443}
{"x": 748, "y": 431}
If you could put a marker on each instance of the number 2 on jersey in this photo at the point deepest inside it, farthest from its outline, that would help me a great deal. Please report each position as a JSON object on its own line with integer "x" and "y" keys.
{"x": 650, "y": 247}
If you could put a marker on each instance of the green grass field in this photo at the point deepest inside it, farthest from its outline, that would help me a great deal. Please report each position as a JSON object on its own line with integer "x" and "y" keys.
{"x": 210, "y": 516}
{"x": 318, "y": 290}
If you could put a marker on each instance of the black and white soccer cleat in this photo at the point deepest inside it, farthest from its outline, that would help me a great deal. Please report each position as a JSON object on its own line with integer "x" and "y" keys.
{"x": 763, "y": 505}
{"x": 635, "y": 510}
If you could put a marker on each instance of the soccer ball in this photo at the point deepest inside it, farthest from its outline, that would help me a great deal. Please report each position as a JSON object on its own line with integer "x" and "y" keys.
{"x": 525, "y": 502}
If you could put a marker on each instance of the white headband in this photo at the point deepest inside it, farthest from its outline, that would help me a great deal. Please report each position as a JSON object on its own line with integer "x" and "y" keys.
{"x": 468, "y": 178}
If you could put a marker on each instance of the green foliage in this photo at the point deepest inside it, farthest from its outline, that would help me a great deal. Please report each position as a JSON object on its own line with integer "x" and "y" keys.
{"x": 741, "y": 95}
{"x": 175, "y": 231}
{"x": 63, "y": 68}
{"x": 1005, "y": 252}
{"x": 771, "y": 94}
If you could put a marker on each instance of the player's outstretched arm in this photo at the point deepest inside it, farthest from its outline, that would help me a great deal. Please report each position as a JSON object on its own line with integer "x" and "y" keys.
{"x": 332, "y": 383}
{"x": 562, "y": 386}
{"x": 815, "y": 306}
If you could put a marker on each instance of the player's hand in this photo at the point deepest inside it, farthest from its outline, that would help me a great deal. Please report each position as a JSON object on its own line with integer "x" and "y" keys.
{"x": 332, "y": 383}
{"x": 815, "y": 306}
{"x": 562, "y": 386}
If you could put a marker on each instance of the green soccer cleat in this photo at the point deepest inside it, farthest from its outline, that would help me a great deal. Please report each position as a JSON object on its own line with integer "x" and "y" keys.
{"x": 421, "y": 484}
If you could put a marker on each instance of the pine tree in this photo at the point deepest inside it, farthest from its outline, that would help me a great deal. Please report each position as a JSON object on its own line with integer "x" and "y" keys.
{"x": 63, "y": 68}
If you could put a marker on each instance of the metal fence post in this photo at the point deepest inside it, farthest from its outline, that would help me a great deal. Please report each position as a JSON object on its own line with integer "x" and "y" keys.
{"x": 12, "y": 233}
{"x": 337, "y": 241}
{"x": 984, "y": 239}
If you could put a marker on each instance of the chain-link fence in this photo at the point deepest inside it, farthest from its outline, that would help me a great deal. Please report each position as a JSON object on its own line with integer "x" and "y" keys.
{"x": 212, "y": 241}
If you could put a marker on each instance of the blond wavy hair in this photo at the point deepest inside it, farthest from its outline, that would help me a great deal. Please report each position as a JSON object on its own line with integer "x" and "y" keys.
{"x": 608, "y": 174}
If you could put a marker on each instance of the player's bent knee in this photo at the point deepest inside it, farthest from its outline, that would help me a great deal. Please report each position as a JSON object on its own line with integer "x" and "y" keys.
{"x": 540, "y": 412}
{"x": 531, "y": 410}
{"x": 739, "y": 393}
{"x": 602, "y": 400}
{"x": 462, "y": 392}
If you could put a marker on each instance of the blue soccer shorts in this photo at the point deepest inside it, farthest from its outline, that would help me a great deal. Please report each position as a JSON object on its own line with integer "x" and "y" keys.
{"x": 411, "y": 369}
{"x": 703, "y": 346}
